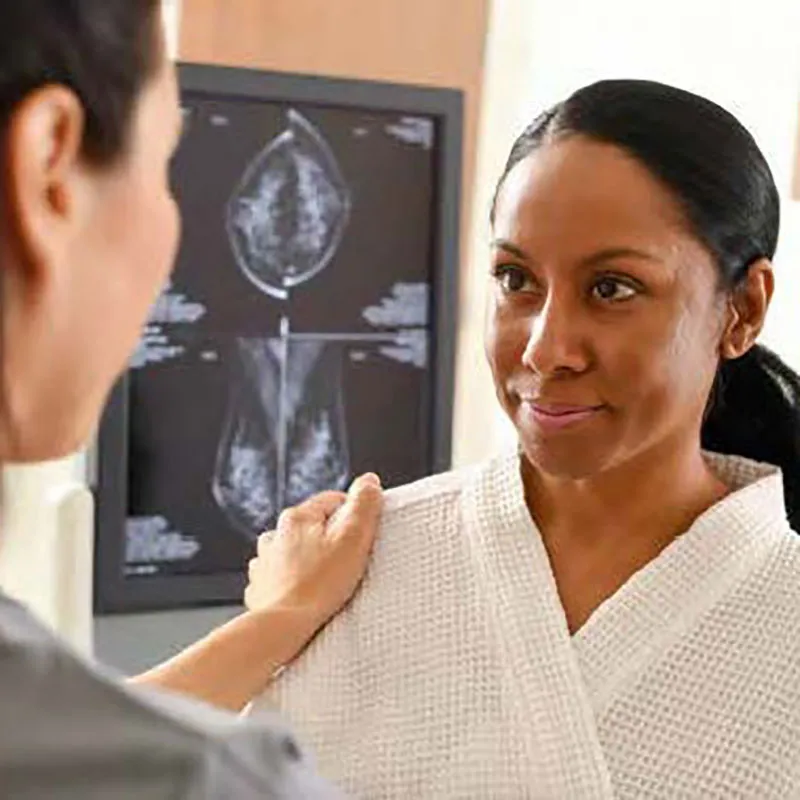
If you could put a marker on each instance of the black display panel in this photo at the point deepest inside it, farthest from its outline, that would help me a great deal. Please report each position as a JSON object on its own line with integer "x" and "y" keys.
{"x": 305, "y": 336}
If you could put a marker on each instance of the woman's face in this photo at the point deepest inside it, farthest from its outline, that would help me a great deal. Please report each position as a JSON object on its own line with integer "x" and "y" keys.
{"x": 91, "y": 248}
{"x": 605, "y": 316}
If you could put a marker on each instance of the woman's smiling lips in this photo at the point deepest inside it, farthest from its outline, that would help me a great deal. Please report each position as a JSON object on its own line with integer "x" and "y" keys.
{"x": 557, "y": 416}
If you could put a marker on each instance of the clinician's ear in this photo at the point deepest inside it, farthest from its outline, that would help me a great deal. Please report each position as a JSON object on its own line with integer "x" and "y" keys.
{"x": 45, "y": 179}
{"x": 747, "y": 309}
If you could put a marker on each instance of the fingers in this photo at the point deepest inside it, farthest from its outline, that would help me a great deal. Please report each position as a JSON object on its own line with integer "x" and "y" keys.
{"x": 316, "y": 509}
{"x": 263, "y": 542}
{"x": 365, "y": 482}
{"x": 357, "y": 512}
{"x": 362, "y": 510}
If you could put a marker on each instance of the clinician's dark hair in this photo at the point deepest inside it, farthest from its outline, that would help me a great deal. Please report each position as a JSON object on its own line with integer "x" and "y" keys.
{"x": 104, "y": 50}
{"x": 721, "y": 180}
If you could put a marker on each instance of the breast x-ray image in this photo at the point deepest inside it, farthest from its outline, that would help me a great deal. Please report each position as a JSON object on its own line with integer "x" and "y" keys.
{"x": 287, "y": 216}
{"x": 291, "y": 349}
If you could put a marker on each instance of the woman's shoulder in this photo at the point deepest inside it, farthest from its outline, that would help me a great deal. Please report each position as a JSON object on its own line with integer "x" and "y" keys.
{"x": 431, "y": 490}
{"x": 437, "y": 493}
{"x": 419, "y": 510}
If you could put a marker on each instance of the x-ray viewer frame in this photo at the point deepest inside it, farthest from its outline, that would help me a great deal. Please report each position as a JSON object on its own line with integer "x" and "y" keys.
{"x": 113, "y": 591}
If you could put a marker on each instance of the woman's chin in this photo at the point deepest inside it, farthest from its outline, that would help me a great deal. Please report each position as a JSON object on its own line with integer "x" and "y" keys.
{"x": 565, "y": 460}
{"x": 573, "y": 446}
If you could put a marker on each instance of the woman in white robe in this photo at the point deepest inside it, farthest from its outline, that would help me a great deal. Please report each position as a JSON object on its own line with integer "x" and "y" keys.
{"x": 611, "y": 611}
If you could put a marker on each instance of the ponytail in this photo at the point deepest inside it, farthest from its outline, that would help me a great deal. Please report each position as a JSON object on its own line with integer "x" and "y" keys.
{"x": 754, "y": 412}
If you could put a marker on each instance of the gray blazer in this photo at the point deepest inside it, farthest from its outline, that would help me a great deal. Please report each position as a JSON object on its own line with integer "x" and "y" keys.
{"x": 68, "y": 729}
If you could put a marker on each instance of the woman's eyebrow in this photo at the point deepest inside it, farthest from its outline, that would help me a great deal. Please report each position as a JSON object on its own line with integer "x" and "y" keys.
{"x": 612, "y": 253}
{"x": 504, "y": 244}
{"x": 599, "y": 257}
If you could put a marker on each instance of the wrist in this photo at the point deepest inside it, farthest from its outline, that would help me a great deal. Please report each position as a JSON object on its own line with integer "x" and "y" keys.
{"x": 287, "y": 629}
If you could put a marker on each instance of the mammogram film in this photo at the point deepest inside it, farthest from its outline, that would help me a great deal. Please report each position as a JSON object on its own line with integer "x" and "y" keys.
{"x": 291, "y": 349}
{"x": 285, "y": 435}
{"x": 287, "y": 217}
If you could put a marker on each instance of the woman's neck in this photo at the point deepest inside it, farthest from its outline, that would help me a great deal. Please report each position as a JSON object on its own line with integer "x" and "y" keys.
{"x": 599, "y": 531}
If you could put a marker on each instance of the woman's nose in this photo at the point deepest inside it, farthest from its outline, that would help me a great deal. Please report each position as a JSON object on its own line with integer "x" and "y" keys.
{"x": 556, "y": 342}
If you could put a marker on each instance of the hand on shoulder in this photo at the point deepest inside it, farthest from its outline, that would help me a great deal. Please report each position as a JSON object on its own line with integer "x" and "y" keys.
{"x": 315, "y": 559}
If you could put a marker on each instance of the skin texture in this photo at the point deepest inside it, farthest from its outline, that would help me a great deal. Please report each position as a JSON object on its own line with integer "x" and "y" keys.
{"x": 606, "y": 324}
{"x": 84, "y": 251}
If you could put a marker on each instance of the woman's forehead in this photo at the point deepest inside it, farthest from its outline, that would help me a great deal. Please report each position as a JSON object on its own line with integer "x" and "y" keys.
{"x": 576, "y": 186}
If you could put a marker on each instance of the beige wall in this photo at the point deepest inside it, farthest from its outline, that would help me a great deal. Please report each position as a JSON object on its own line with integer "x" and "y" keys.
{"x": 428, "y": 42}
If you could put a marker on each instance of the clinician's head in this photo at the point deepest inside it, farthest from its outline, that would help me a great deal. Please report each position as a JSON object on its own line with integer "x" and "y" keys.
{"x": 89, "y": 118}
{"x": 633, "y": 233}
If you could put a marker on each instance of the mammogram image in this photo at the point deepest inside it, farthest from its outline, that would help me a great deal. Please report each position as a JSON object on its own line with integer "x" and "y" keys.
{"x": 285, "y": 435}
{"x": 287, "y": 217}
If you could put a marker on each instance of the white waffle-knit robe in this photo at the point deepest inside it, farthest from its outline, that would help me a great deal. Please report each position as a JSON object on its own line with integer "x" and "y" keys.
{"x": 453, "y": 674}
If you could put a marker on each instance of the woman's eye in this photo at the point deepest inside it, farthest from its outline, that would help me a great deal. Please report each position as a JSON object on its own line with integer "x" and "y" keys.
{"x": 613, "y": 290}
{"x": 514, "y": 279}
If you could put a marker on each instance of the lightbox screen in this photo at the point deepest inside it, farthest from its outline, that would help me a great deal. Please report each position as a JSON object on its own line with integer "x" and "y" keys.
{"x": 292, "y": 348}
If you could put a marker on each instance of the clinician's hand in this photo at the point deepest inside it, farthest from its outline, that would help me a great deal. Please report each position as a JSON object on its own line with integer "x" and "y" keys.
{"x": 315, "y": 559}
{"x": 304, "y": 573}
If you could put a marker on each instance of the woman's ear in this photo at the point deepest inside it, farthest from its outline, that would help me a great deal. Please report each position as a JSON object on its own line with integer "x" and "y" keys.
{"x": 747, "y": 309}
{"x": 42, "y": 183}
